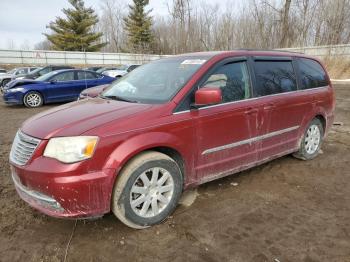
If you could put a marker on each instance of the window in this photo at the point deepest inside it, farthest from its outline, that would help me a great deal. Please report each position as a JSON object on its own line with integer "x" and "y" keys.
{"x": 67, "y": 76}
{"x": 157, "y": 81}
{"x": 132, "y": 67}
{"x": 45, "y": 71}
{"x": 311, "y": 73}
{"x": 86, "y": 75}
{"x": 21, "y": 71}
{"x": 274, "y": 77}
{"x": 232, "y": 79}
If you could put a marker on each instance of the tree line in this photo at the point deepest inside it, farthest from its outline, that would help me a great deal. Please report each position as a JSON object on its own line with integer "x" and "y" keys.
{"x": 198, "y": 25}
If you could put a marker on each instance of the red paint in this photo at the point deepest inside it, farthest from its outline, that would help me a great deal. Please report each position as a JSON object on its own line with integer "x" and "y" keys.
{"x": 208, "y": 96}
{"x": 125, "y": 129}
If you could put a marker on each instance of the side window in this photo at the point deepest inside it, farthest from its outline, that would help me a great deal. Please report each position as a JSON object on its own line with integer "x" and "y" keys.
{"x": 67, "y": 76}
{"x": 21, "y": 71}
{"x": 312, "y": 74}
{"x": 86, "y": 75}
{"x": 132, "y": 67}
{"x": 44, "y": 71}
{"x": 232, "y": 79}
{"x": 274, "y": 77}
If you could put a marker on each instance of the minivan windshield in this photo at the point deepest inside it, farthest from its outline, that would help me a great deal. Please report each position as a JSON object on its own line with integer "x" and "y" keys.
{"x": 156, "y": 82}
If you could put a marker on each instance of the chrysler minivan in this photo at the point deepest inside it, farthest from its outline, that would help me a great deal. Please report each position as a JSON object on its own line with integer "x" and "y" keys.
{"x": 167, "y": 126}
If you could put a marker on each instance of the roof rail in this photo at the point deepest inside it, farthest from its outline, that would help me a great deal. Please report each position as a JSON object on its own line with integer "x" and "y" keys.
{"x": 267, "y": 50}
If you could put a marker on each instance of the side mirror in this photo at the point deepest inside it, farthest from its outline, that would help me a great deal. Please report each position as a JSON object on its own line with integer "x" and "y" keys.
{"x": 208, "y": 96}
{"x": 53, "y": 81}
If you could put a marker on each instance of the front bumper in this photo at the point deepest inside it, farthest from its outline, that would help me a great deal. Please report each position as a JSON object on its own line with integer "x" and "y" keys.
{"x": 65, "y": 194}
{"x": 12, "y": 98}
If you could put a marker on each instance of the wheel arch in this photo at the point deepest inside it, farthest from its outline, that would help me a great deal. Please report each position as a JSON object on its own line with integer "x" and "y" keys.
{"x": 323, "y": 120}
{"x": 164, "y": 143}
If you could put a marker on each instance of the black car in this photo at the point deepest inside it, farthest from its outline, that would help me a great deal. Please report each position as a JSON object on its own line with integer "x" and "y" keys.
{"x": 94, "y": 68}
{"x": 43, "y": 71}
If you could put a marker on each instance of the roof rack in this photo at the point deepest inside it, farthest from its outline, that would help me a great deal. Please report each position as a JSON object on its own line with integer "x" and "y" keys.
{"x": 267, "y": 50}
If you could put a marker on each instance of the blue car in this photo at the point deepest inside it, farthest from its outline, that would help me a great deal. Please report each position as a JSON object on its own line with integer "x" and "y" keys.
{"x": 57, "y": 86}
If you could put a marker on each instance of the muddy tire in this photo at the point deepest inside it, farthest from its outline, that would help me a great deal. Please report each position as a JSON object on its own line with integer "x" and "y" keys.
{"x": 147, "y": 190}
{"x": 311, "y": 142}
{"x": 33, "y": 99}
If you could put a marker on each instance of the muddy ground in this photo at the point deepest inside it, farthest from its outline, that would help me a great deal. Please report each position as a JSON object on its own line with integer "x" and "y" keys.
{"x": 285, "y": 210}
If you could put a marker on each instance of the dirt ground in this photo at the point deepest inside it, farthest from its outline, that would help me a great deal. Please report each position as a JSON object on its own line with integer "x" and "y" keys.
{"x": 285, "y": 210}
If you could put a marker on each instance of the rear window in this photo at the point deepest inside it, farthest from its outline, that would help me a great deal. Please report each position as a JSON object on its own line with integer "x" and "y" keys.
{"x": 82, "y": 75}
{"x": 312, "y": 74}
{"x": 274, "y": 77}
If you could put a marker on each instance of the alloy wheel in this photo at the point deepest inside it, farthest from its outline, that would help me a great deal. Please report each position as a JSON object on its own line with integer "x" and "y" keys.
{"x": 151, "y": 192}
{"x": 312, "y": 139}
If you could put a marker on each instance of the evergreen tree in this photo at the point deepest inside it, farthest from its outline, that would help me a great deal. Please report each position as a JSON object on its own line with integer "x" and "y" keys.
{"x": 138, "y": 24}
{"x": 75, "y": 32}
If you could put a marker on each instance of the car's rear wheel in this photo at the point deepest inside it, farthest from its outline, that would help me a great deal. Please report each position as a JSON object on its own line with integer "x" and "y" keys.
{"x": 147, "y": 190}
{"x": 33, "y": 99}
{"x": 5, "y": 82}
{"x": 311, "y": 141}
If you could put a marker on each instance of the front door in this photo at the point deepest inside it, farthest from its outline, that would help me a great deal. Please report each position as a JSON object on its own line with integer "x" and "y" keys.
{"x": 61, "y": 87}
{"x": 224, "y": 131}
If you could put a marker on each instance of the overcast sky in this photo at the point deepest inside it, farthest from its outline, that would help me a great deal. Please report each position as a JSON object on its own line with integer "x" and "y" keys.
{"x": 22, "y": 22}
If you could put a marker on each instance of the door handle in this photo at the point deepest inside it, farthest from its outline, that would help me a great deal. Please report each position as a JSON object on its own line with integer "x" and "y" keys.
{"x": 251, "y": 111}
{"x": 269, "y": 106}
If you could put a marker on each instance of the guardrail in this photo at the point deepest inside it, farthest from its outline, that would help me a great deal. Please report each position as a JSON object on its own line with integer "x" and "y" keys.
{"x": 41, "y": 57}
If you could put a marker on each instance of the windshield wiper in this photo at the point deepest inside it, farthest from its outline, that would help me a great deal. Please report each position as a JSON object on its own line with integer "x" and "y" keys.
{"x": 118, "y": 98}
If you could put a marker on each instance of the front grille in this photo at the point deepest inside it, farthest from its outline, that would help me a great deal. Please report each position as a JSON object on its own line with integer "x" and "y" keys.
{"x": 23, "y": 148}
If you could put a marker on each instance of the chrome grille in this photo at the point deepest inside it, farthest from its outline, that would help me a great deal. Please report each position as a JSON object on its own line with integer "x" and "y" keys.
{"x": 23, "y": 148}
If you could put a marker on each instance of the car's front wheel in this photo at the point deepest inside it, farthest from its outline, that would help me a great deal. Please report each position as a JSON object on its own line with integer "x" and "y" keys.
{"x": 33, "y": 99}
{"x": 147, "y": 190}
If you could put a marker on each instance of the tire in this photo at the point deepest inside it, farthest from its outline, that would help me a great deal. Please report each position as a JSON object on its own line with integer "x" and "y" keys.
{"x": 311, "y": 142}
{"x": 148, "y": 205}
{"x": 33, "y": 99}
{"x": 5, "y": 82}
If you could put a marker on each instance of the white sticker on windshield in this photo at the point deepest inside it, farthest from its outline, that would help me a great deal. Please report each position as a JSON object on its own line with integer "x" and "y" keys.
{"x": 193, "y": 62}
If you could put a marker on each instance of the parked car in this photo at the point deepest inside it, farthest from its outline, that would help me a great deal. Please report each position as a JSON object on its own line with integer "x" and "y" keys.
{"x": 2, "y": 71}
{"x": 43, "y": 71}
{"x": 57, "y": 86}
{"x": 104, "y": 69}
{"x": 16, "y": 72}
{"x": 93, "y": 91}
{"x": 170, "y": 125}
{"x": 93, "y": 68}
{"x": 120, "y": 71}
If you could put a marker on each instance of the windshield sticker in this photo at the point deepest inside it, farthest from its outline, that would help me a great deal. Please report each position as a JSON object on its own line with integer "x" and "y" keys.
{"x": 193, "y": 62}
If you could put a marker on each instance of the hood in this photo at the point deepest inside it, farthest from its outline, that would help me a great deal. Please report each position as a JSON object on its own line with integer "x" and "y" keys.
{"x": 78, "y": 117}
{"x": 21, "y": 82}
{"x": 94, "y": 91}
{"x": 5, "y": 75}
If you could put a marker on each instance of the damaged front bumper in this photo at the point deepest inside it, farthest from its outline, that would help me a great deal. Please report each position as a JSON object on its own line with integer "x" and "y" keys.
{"x": 67, "y": 194}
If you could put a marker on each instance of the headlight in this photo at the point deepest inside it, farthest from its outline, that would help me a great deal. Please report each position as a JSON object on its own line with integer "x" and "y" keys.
{"x": 18, "y": 89}
{"x": 71, "y": 149}
{"x": 20, "y": 77}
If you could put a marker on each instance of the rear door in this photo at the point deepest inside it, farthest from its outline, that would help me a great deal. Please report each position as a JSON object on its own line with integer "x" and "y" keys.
{"x": 61, "y": 87}
{"x": 84, "y": 80}
{"x": 224, "y": 131}
{"x": 283, "y": 107}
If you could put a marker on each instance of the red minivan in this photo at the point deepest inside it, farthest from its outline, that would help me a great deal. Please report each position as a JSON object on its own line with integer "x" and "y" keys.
{"x": 169, "y": 125}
